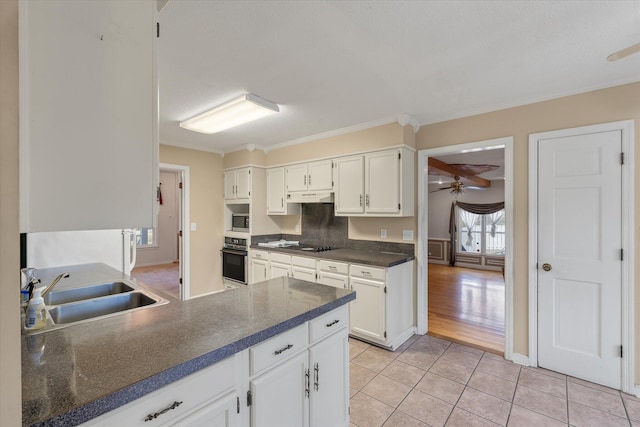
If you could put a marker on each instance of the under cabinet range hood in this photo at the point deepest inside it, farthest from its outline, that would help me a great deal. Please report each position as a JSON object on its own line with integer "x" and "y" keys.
{"x": 325, "y": 197}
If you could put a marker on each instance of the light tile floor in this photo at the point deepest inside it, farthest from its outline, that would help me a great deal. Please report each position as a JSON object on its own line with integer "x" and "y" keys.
{"x": 432, "y": 382}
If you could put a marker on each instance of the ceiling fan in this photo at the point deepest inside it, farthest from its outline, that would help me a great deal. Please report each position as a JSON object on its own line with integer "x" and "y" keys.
{"x": 458, "y": 187}
{"x": 634, "y": 48}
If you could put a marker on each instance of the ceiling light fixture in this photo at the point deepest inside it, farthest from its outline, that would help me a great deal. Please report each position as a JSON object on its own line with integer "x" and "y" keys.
{"x": 236, "y": 112}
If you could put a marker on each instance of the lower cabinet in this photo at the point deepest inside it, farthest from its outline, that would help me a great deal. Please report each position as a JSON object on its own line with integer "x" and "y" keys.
{"x": 258, "y": 271}
{"x": 367, "y": 314}
{"x": 299, "y": 378}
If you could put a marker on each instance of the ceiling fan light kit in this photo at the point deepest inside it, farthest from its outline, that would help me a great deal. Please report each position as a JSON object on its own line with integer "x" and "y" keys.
{"x": 238, "y": 111}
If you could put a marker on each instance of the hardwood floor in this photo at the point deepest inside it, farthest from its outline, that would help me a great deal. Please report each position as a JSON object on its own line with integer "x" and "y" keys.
{"x": 467, "y": 306}
{"x": 164, "y": 277}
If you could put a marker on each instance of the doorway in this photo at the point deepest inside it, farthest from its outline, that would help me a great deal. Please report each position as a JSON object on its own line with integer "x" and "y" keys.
{"x": 424, "y": 246}
{"x": 163, "y": 256}
{"x": 580, "y": 284}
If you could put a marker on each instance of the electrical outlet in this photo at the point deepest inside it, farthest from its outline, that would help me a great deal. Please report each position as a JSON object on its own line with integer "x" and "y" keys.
{"x": 407, "y": 235}
{"x": 297, "y": 228}
{"x": 193, "y": 226}
{"x": 383, "y": 233}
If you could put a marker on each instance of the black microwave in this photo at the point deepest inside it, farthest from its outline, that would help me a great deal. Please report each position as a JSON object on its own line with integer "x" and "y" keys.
{"x": 240, "y": 222}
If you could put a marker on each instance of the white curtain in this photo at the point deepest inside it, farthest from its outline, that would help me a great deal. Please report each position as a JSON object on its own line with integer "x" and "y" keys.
{"x": 493, "y": 219}
{"x": 469, "y": 221}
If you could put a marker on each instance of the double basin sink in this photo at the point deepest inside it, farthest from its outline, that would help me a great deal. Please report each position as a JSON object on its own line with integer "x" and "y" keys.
{"x": 76, "y": 305}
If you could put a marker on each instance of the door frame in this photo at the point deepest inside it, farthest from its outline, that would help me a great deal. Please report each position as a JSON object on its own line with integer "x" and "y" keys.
{"x": 628, "y": 227}
{"x": 185, "y": 256}
{"x": 422, "y": 293}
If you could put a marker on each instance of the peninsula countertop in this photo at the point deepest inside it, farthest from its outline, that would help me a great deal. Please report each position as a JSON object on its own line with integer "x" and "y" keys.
{"x": 355, "y": 256}
{"x": 73, "y": 374}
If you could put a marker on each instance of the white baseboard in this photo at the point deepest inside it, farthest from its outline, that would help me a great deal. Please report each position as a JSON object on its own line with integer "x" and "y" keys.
{"x": 636, "y": 390}
{"x": 520, "y": 359}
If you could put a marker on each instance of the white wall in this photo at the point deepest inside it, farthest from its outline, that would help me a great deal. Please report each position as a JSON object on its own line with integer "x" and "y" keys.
{"x": 440, "y": 205}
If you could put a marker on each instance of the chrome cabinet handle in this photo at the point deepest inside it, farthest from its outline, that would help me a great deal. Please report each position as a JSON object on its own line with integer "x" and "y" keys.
{"x": 332, "y": 268}
{"x": 367, "y": 200}
{"x": 305, "y": 180}
{"x": 330, "y": 324}
{"x": 281, "y": 202}
{"x": 546, "y": 267}
{"x": 309, "y": 179}
{"x": 316, "y": 377}
{"x": 306, "y": 390}
{"x": 283, "y": 349}
{"x": 361, "y": 200}
{"x": 153, "y": 416}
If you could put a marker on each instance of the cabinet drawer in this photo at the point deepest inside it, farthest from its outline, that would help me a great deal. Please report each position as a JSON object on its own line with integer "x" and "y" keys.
{"x": 333, "y": 267}
{"x": 278, "y": 348}
{"x": 328, "y": 323}
{"x": 260, "y": 255}
{"x": 191, "y": 392}
{"x": 366, "y": 272}
{"x": 299, "y": 261}
{"x": 278, "y": 257}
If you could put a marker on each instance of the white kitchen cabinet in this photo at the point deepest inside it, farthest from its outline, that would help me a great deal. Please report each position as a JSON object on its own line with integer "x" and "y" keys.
{"x": 313, "y": 176}
{"x": 88, "y": 117}
{"x": 209, "y": 394}
{"x": 237, "y": 185}
{"x": 279, "y": 265}
{"x": 276, "y": 194}
{"x": 382, "y": 312}
{"x": 329, "y": 369}
{"x": 376, "y": 184}
{"x": 349, "y": 197}
{"x": 367, "y": 314}
{"x": 259, "y": 271}
{"x": 333, "y": 273}
{"x": 303, "y": 268}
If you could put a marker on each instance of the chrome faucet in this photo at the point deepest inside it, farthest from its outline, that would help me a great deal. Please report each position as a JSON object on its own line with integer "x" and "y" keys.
{"x": 55, "y": 282}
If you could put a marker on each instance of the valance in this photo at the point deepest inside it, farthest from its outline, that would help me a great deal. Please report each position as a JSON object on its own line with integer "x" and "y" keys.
{"x": 476, "y": 208}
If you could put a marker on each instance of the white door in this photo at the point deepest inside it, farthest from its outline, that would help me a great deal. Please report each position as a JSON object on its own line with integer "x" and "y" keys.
{"x": 297, "y": 178}
{"x": 259, "y": 271}
{"x": 329, "y": 369}
{"x": 321, "y": 175}
{"x": 367, "y": 311}
{"x": 279, "y": 396}
{"x": 275, "y": 191}
{"x": 579, "y": 256}
{"x": 303, "y": 274}
{"x": 382, "y": 182}
{"x": 230, "y": 185}
{"x": 350, "y": 185}
{"x": 279, "y": 270}
{"x": 243, "y": 183}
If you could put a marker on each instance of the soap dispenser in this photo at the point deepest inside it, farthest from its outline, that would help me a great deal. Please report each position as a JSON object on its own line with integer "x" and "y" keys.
{"x": 36, "y": 311}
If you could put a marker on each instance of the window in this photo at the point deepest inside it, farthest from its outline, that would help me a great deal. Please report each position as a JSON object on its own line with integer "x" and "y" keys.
{"x": 145, "y": 237}
{"x": 481, "y": 234}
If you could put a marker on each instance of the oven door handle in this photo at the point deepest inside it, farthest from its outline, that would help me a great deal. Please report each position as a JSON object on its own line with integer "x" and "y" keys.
{"x": 233, "y": 251}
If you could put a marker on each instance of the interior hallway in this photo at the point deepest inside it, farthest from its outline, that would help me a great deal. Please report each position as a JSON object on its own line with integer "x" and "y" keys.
{"x": 467, "y": 306}
{"x": 164, "y": 277}
{"x": 433, "y": 382}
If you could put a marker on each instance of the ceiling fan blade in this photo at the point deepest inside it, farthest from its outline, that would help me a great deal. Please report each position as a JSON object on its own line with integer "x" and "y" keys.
{"x": 440, "y": 189}
{"x": 469, "y": 187}
{"x": 624, "y": 52}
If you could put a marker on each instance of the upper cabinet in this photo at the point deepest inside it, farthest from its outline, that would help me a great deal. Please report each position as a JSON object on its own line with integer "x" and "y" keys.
{"x": 314, "y": 176}
{"x": 237, "y": 185}
{"x": 88, "y": 99}
{"x": 276, "y": 194}
{"x": 380, "y": 183}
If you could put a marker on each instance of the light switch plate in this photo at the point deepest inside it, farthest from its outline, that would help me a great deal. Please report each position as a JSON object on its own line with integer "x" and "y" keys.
{"x": 193, "y": 226}
{"x": 297, "y": 228}
{"x": 407, "y": 235}
{"x": 383, "y": 233}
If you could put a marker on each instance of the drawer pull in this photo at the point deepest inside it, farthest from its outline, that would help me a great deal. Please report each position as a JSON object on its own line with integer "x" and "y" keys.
{"x": 330, "y": 324}
{"x": 365, "y": 273}
{"x": 332, "y": 267}
{"x": 152, "y": 417}
{"x": 283, "y": 349}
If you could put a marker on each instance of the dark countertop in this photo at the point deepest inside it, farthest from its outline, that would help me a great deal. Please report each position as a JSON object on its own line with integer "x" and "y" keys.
{"x": 76, "y": 373}
{"x": 379, "y": 259}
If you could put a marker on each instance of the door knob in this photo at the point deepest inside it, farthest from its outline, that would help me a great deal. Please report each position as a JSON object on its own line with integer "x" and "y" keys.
{"x": 546, "y": 267}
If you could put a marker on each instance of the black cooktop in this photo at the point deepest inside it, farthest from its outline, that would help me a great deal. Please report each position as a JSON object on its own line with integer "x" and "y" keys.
{"x": 315, "y": 248}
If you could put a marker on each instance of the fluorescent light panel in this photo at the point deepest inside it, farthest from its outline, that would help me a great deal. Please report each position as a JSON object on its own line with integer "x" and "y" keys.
{"x": 236, "y": 112}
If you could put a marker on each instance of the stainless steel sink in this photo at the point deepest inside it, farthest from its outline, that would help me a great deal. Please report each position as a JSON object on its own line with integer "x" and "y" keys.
{"x": 87, "y": 292}
{"x": 89, "y": 309}
{"x": 67, "y": 307}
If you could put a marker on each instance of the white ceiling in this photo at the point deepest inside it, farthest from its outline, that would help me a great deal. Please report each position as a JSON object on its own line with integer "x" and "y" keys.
{"x": 335, "y": 65}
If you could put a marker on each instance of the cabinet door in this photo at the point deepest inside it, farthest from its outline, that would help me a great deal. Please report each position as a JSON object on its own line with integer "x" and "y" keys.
{"x": 329, "y": 369}
{"x": 304, "y": 273}
{"x": 279, "y": 396}
{"x": 88, "y": 139}
{"x": 367, "y": 311}
{"x": 275, "y": 191}
{"x": 279, "y": 270}
{"x": 297, "y": 178}
{"x": 259, "y": 271}
{"x": 349, "y": 188}
{"x": 230, "y": 185}
{"x": 335, "y": 280}
{"x": 243, "y": 183}
{"x": 320, "y": 175}
{"x": 382, "y": 182}
{"x": 219, "y": 413}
